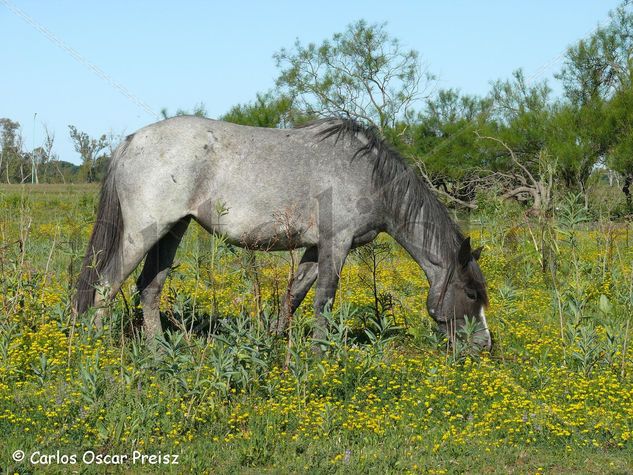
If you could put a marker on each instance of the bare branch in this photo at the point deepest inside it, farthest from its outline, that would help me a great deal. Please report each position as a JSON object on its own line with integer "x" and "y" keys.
{"x": 512, "y": 155}
{"x": 422, "y": 169}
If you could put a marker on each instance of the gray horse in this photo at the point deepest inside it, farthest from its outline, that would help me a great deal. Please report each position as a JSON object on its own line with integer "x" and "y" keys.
{"x": 327, "y": 187}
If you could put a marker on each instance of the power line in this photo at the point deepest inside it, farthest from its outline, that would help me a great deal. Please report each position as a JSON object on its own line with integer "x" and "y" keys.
{"x": 50, "y": 36}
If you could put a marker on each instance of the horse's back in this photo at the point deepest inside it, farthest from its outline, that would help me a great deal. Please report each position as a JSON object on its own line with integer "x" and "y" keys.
{"x": 249, "y": 183}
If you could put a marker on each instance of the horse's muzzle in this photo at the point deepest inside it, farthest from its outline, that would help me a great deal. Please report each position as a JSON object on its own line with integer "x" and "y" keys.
{"x": 481, "y": 338}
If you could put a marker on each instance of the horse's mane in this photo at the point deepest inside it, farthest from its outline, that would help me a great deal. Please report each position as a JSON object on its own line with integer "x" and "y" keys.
{"x": 406, "y": 195}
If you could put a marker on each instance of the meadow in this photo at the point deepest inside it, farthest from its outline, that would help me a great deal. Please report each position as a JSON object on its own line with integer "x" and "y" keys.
{"x": 388, "y": 395}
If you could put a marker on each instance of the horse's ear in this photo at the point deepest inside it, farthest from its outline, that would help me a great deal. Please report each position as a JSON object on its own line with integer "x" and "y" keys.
{"x": 465, "y": 254}
{"x": 477, "y": 253}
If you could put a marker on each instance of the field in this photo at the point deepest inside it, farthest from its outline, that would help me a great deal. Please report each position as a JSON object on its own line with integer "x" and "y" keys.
{"x": 388, "y": 396}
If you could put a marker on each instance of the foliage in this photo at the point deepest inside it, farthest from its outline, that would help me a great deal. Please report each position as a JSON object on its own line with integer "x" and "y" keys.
{"x": 268, "y": 110}
{"x": 619, "y": 128}
{"x": 90, "y": 149}
{"x": 443, "y": 137}
{"x": 599, "y": 65}
{"x": 362, "y": 73}
{"x": 199, "y": 110}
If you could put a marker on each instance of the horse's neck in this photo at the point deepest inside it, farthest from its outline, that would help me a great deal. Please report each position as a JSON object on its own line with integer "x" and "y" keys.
{"x": 425, "y": 247}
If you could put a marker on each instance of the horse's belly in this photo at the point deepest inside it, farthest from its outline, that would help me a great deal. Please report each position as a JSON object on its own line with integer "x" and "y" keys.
{"x": 280, "y": 229}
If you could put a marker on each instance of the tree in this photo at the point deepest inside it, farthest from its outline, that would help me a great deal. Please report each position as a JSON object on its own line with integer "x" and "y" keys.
{"x": 89, "y": 149}
{"x": 268, "y": 110}
{"x": 11, "y": 150}
{"x": 199, "y": 110}
{"x": 443, "y": 145}
{"x": 361, "y": 73}
{"x": 536, "y": 134}
{"x": 597, "y": 66}
{"x": 41, "y": 156}
{"x": 516, "y": 137}
{"x": 577, "y": 138}
{"x": 596, "y": 75}
{"x": 50, "y": 157}
{"x": 528, "y": 178}
{"x": 522, "y": 111}
{"x": 619, "y": 113}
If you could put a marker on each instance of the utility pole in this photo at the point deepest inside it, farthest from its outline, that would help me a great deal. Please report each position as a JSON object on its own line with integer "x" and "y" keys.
{"x": 34, "y": 178}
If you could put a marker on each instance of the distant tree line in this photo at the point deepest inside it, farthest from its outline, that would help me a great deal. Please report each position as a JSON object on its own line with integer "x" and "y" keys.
{"x": 42, "y": 165}
{"x": 517, "y": 140}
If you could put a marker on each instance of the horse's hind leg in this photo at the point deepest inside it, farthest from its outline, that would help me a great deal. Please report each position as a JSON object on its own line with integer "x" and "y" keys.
{"x": 152, "y": 278}
{"x": 134, "y": 246}
{"x": 302, "y": 281}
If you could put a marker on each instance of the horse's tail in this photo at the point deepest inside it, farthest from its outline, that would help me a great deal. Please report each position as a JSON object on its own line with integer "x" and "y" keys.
{"x": 103, "y": 257}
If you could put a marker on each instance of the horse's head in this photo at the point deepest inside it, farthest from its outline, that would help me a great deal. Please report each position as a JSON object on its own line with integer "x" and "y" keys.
{"x": 460, "y": 293}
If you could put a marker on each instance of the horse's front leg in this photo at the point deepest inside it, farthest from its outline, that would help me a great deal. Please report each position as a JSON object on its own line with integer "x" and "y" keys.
{"x": 332, "y": 254}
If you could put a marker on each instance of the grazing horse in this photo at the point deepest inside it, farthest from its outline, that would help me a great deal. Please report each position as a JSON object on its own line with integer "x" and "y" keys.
{"x": 328, "y": 187}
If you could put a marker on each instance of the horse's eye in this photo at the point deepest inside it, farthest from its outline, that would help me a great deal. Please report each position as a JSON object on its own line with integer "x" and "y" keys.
{"x": 471, "y": 294}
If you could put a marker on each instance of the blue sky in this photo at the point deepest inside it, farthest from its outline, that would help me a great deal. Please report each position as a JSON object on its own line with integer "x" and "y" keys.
{"x": 177, "y": 54}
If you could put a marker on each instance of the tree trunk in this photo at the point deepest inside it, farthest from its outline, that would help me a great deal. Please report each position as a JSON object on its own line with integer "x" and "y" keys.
{"x": 585, "y": 193}
{"x": 626, "y": 188}
{"x": 34, "y": 177}
{"x": 59, "y": 171}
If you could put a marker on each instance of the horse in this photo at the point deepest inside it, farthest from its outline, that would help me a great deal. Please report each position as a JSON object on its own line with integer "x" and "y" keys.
{"x": 326, "y": 187}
